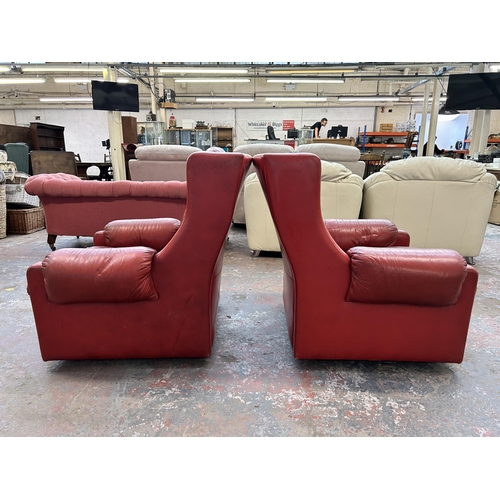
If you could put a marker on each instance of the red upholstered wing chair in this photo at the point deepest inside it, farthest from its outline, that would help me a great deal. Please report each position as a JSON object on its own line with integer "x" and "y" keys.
{"x": 149, "y": 288}
{"x": 361, "y": 303}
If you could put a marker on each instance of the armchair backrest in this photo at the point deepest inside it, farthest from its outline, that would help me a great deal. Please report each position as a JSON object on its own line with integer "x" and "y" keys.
{"x": 442, "y": 202}
{"x": 164, "y": 162}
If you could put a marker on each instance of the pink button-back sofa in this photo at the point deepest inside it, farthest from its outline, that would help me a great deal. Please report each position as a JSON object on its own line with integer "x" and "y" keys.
{"x": 76, "y": 207}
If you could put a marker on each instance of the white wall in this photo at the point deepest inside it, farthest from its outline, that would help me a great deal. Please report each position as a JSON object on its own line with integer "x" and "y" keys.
{"x": 85, "y": 129}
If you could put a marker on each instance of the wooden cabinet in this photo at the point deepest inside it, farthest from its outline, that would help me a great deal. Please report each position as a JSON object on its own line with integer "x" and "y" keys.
{"x": 222, "y": 137}
{"x": 47, "y": 137}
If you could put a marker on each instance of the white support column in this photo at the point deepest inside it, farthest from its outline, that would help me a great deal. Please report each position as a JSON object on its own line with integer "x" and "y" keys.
{"x": 434, "y": 119}
{"x": 115, "y": 134}
{"x": 423, "y": 121}
{"x": 481, "y": 123}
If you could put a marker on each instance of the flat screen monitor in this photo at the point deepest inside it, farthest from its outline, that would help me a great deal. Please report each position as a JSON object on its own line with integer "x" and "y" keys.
{"x": 473, "y": 91}
{"x": 338, "y": 131}
{"x": 113, "y": 96}
{"x": 292, "y": 134}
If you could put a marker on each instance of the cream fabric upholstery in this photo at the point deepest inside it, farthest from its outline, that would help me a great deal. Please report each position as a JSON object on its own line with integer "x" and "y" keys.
{"x": 341, "y": 195}
{"x": 253, "y": 150}
{"x": 160, "y": 163}
{"x": 440, "y": 202}
{"x": 339, "y": 153}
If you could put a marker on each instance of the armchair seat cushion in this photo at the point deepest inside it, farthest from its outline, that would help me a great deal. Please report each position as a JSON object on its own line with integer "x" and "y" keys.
{"x": 99, "y": 274}
{"x": 413, "y": 276}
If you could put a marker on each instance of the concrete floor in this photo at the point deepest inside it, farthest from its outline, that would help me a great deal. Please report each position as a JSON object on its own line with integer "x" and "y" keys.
{"x": 251, "y": 385}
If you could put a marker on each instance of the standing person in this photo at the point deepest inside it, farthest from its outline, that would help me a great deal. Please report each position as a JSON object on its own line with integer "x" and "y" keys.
{"x": 317, "y": 126}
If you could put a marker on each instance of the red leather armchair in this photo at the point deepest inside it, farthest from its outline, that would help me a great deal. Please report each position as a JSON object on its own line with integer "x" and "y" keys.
{"x": 148, "y": 288}
{"x": 361, "y": 302}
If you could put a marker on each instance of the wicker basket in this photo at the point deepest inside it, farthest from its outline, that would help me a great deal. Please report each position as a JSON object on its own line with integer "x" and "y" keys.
{"x": 3, "y": 212}
{"x": 24, "y": 220}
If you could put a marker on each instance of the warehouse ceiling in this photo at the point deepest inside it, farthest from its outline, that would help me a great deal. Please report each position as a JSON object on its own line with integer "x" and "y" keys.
{"x": 232, "y": 84}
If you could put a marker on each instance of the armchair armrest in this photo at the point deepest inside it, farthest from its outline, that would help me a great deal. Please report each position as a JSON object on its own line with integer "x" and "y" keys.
{"x": 349, "y": 233}
{"x": 414, "y": 276}
{"x": 153, "y": 233}
{"x": 97, "y": 274}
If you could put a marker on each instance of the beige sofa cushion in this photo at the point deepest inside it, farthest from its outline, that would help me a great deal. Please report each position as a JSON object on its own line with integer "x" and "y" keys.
{"x": 331, "y": 152}
{"x": 164, "y": 152}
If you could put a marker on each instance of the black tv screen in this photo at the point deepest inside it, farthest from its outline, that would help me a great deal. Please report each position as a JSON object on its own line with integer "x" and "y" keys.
{"x": 113, "y": 96}
{"x": 473, "y": 91}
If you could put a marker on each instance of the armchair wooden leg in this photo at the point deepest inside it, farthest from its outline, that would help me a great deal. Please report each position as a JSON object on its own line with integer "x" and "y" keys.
{"x": 51, "y": 239}
{"x": 255, "y": 253}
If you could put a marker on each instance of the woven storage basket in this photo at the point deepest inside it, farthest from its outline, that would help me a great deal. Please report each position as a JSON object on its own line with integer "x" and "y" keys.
{"x": 3, "y": 212}
{"x": 24, "y": 220}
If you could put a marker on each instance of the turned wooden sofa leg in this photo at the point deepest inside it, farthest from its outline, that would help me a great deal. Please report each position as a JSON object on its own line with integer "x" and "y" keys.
{"x": 51, "y": 239}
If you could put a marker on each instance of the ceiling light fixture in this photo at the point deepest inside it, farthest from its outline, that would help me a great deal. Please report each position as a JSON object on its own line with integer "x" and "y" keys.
{"x": 383, "y": 98}
{"x": 66, "y": 99}
{"x": 4, "y": 69}
{"x": 305, "y": 99}
{"x": 211, "y": 80}
{"x": 421, "y": 99}
{"x": 307, "y": 71}
{"x": 46, "y": 68}
{"x": 304, "y": 80}
{"x": 17, "y": 81}
{"x": 205, "y": 71}
{"x": 84, "y": 79}
{"x": 224, "y": 99}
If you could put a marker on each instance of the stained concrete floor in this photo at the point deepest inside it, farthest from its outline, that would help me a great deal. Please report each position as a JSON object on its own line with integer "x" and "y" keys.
{"x": 251, "y": 385}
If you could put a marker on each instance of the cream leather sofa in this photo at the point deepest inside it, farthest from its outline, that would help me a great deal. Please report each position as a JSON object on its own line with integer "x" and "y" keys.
{"x": 253, "y": 150}
{"x": 341, "y": 196}
{"x": 160, "y": 163}
{"x": 440, "y": 202}
{"x": 338, "y": 153}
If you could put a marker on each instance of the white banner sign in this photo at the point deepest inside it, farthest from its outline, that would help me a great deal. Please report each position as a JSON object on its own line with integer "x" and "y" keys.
{"x": 262, "y": 125}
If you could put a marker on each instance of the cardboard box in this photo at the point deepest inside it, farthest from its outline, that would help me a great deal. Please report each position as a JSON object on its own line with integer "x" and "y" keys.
{"x": 495, "y": 209}
{"x": 386, "y": 127}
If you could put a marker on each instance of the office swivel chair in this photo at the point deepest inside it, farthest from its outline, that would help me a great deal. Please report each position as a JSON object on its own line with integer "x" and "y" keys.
{"x": 270, "y": 133}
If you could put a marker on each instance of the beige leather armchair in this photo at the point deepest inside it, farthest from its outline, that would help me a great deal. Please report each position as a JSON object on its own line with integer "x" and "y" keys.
{"x": 340, "y": 198}
{"x": 441, "y": 202}
{"x": 338, "y": 153}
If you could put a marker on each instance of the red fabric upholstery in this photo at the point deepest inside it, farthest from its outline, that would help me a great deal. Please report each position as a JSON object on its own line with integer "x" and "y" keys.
{"x": 185, "y": 274}
{"x": 76, "y": 207}
{"x": 99, "y": 275}
{"x": 322, "y": 323}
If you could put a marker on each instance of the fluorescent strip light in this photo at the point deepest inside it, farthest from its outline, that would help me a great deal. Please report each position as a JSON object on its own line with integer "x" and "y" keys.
{"x": 307, "y": 71}
{"x": 42, "y": 68}
{"x": 307, "y": 99}
{"x": 379, "y": 98}
{"x": 204, "y": 71}
{"x": 303, "y": 80}
{"x": 495, "y": 67}
{"x": 84, "y": 79}
{"x": 224, "y": 99}
{"x": 4, "y": 69}
{"x": 65, "y": 99}
{"x": 211, "y": 80}
{"x": 421, "y": 99}
{"x": 16, "y": 81}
